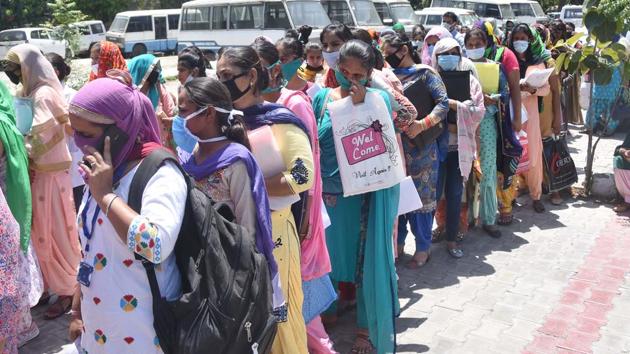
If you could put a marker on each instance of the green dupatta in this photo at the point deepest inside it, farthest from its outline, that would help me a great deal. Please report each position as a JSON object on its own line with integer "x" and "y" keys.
{"x": 18, "y": 187}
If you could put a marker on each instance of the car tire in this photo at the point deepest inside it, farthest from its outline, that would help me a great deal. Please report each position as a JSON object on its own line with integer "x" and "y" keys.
{"x": 138, "y": 49}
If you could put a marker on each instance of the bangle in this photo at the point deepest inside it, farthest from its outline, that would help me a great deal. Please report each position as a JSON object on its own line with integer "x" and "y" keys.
{"x": 109, "y": 205}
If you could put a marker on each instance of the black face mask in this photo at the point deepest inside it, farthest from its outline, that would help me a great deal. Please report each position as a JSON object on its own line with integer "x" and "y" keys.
{"x": 393, "y": 59}
{"x": 235, "y": 92}
{"x": 315, "y": 68}
{"x": 14, "y": 78}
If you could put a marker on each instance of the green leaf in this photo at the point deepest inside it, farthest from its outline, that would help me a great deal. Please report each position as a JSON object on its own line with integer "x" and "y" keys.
{"x": 590, "y": 61}
{"x": 559, "y": 62}
{"x": 593, "y": 19}
{"x": 611, "y": 53}
{"x": 602, "y": 75}
{"x": 575, "y": 38}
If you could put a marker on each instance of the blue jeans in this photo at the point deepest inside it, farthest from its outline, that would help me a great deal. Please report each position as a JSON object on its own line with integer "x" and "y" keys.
{"x": 421, "y": 225}
{"x": 450, "y": 182}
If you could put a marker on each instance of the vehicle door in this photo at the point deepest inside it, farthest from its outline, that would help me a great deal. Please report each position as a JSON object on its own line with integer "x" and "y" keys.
{"x": 161, "y": 32}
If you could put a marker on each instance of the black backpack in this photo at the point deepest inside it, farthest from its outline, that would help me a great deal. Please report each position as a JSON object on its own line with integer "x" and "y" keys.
{"x": 226, "y": 302}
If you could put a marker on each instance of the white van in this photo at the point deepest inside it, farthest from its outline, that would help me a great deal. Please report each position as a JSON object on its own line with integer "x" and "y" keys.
{"x": 42, "y": 38}
{"x": 396, "y": 11}
{"x": 528, "y": 11}
{"x": 91, "y": 32}
{"x": 431, "y": 17}
{"x": 208, "y": 23}
{"x": 573, "y": 14}
{"x": 356, "y": 13}
{"x": 498, "y": 9}
{"x": 141, "y": 32}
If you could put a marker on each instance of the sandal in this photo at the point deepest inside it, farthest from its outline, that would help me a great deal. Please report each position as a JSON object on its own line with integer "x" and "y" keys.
{"x": 415, "y": 264}
{"x": 505, "y": 219}
{"x": 492, "y": 230}
{"x": 556, "y": 199}
{"x": 621, "y": 208}
{"x": 456, "y": 253}
{"x": 362, "y": 344}
{"x": 59, "y": 308}
{"x": 43, "y": 300}
{"x": 539, "y": 207}
{"x": 437, "y": 235}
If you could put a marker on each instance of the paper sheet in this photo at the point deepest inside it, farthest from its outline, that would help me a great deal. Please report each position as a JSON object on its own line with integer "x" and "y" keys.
{"x": 313, "y": 90}
{"x": 409, "y": 198}
{"x": 325, "y": 216}
{"x": 538, "y": 78}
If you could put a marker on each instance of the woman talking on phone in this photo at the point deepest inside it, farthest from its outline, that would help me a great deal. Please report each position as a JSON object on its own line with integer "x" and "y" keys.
{"x": 115, "y": 125}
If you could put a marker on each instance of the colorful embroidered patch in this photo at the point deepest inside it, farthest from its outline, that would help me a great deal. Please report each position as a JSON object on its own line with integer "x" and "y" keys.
{"x": 100, "y": 337}
{"x": 128, "y": 340}
{"x": 128, "y": 303}
{"x": 143, "y": 239}
{"x": 96, "y": 300}
{"x": 299, "y": 172}
{"x": 128, "y": 262}
{"x": 100, "y": 261}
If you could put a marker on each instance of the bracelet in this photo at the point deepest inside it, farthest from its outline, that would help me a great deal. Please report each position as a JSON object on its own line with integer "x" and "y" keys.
{"x": 109, "y": 205}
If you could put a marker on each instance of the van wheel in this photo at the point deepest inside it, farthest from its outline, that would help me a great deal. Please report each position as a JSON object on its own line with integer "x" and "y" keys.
{"x": 138, "y": 49}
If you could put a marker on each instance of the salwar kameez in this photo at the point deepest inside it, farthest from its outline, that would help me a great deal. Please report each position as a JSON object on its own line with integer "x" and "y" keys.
{"x": 488, "y": 156}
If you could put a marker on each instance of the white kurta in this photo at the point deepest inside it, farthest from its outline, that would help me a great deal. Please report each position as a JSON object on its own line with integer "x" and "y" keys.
{"x": 117, "y": 306}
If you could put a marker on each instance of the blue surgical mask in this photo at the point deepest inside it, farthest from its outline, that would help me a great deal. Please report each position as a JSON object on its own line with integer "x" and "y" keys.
{"x": 182, "y": 139}
{"x": 289, "y": 69}
{"x": 23, "y": 114}
{"x": 430, "y": 48}
{"x": 448, "y": 62}
{"x": 475, "y": 54}
{"x": 521, "y": 46}
{"x": 344, "y": 83}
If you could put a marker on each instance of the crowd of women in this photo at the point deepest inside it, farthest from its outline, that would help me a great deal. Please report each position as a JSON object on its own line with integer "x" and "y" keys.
{"x": 338, "y": 252}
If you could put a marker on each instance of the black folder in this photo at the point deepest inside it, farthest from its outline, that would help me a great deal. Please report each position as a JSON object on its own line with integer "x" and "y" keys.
{"x": 457, "y": 88}
{"x": 422, "y": 99}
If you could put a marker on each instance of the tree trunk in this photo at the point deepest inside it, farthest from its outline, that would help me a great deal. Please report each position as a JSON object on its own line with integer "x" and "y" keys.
{"x": 590, "y": 152}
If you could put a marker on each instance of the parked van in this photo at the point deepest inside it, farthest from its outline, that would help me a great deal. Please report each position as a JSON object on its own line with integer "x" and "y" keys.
{"x": 42, "y": 38}
{"x": 431, "y": 17}
{"x": 208, "y": 23}
{"x": 498, "y": 9}
{"x": 148, "y": 31}
{"x": 528, "y": 11}
{"x": 396, "y": 11}
{"x": 358, "y": 13}
{"x": 91, "y": 32}
{"x": 572, "y": 13}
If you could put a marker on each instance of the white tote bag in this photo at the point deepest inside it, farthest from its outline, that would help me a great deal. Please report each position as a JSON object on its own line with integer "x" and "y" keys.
{"x": 365, "y": 142}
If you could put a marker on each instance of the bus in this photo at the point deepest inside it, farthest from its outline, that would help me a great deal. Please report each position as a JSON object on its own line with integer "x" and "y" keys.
{"x": 208, "y": 23}
{"x": 148, "y": 31}
{"x": 355, "y": 13}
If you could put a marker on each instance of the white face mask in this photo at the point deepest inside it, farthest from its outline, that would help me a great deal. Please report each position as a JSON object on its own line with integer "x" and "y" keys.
{"x": 521, "y": 46}
{"x": 448, "y": 26}
{"x": 331, "y": 58}
{"x": 475, "y": 54}
{"x": 216, "y": 138}
{"x": 188, "y": 79}
{"x": 95, "y": 68}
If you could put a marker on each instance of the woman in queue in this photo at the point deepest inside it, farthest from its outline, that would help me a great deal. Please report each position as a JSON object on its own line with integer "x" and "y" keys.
{"x": 105, "y": 56}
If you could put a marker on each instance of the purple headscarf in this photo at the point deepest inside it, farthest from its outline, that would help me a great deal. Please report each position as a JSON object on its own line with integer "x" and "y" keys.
{"x": 114, "y": 100}
{"x": 223, "y": 158}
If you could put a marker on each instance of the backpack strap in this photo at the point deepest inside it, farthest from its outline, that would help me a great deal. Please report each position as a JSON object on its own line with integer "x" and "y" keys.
{"x": 147, "y": 169}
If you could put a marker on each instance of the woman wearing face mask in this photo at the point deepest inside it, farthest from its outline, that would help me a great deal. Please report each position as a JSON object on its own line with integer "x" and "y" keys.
{"x": 350, "y": 233}
{"x": 461, "y": 138}
{"x": 146, "y": 72}
{"x": 432, "y": 37}
{"x": 418, "y": 34}
{"x": 191, "y": 63}
{"x": 291, "y": 52}
{"x": 315, "y": 263}
{"x": 223, "y": 166}
{"x": 54, "y": 217}
{"x": 119, "y": 318}
{"x": 422, "y": 163}
{"x": 531, "y": 54}
{"x": 105, "y": 56}
{"x": 476, "y": 43}
{"x": 512, "y": 148}
{"x": 241, "y": 72}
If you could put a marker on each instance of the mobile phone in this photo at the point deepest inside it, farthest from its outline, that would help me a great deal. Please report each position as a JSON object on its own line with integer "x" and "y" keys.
{"x": 117, "y": 139}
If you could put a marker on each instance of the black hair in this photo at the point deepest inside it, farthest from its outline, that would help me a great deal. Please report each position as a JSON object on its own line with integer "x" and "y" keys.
{"x": 365, "y": 37}
{"x": 340, "y": 31}
{"x": 205, "y": 91}
{"x": 398, "y": 41}
{"x": 358, "y": 50}
{"x": 521, "y": 27}
{"x": 570, "y": 24}
{"x": 267, "y": 52}
{"x": 291, "y": 43}
{"x": 58, "y": 63}
{"x": 312, "y": 46}
{"x": 246, "y": 58}
{"x": 477, "y": 32}
{"x": 452, "y": 16}
{"x": 304, "y": 33}
{"x": 192, "y": 57}
{"x": 417, "y": 30}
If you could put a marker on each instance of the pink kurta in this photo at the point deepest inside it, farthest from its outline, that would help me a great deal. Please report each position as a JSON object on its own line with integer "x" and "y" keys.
{"x": 532, "y": 127}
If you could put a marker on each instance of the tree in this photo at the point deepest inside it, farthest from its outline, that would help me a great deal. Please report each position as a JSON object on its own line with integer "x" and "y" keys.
{"x": 64, "y": 14}
{"x": 599, "y": 57}
{"x": 21, "y": 13}
{"x": 104, "y": 10}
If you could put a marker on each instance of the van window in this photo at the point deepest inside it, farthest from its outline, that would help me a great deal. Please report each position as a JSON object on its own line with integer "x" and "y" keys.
{"x": 383, "y": 11}
{"x": 219, "y": 17}
{"x": 173, "y": 22}
{"x": 338, "y": 11}
{"x": 276, "y": 16}
{"x": 84, "y": 30}
{"x": 506, "y": 11}
{"x": 434, "y": 20}
{"x": 140, "y": 24}
{"x": 573, "y": 13}
{"x": 10, "y": 36}
{"x": 307, "y": 12}
{"x": 97, "y": 28}
{"x": 246, "y": 16}
{"x": 39, "y": 34}
{"x": 119, "y": 24}
{"x": 365, "y": 13}
{"x": 196, "y": 18}
{"x": 522, "y": 10}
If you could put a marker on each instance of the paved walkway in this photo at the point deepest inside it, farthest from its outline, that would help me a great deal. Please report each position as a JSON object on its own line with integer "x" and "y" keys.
{"x": 554, "y": 283}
